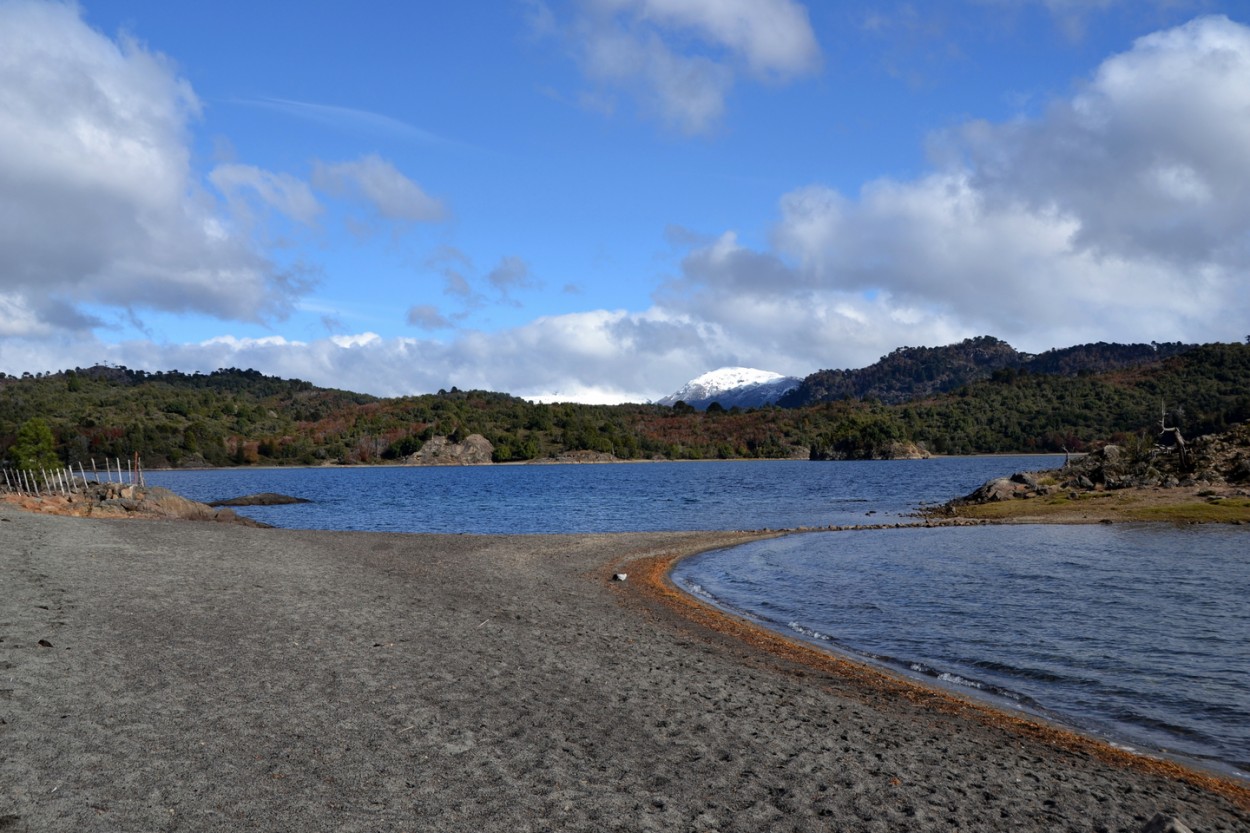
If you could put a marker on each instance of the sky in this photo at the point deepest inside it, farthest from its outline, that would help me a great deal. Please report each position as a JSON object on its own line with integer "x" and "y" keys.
{"x": 599, "y": 200}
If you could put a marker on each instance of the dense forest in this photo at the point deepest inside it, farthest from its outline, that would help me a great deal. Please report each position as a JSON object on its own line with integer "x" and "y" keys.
{"x": 242, "y": 417}
{"x": 912, "y": 372}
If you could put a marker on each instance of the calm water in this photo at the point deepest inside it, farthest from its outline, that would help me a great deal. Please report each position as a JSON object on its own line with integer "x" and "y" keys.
{"x": 599, "y": 498}
{"x": 1138, "y": 633}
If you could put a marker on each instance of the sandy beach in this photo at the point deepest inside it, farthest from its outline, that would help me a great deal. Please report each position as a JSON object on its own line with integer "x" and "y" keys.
{"x": 164, "y": 675}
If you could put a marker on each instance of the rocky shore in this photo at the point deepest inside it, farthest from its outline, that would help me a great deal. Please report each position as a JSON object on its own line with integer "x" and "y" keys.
{"x": 1206, "y": 480}
{"x": 207, "y": 676}
{"x": 122, "y": 500}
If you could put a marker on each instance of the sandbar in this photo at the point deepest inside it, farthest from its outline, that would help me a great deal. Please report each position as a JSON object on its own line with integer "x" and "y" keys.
{"x": 161, "y": 675}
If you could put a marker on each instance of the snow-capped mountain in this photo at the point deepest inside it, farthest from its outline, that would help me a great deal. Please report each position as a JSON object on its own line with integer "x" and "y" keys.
{"x": 744, "y": 387}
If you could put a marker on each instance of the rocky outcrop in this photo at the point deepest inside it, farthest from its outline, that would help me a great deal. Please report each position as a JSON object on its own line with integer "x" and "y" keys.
{"x": 888, "y": 451}
{"x": 582, "y": 456}
{"x": 475, "y": 450}
{"x": 904, "y": 451}
{"x": 1219, "y": 460}
{"x": 118, "y": 500}
{"x": 1022, "y": 484}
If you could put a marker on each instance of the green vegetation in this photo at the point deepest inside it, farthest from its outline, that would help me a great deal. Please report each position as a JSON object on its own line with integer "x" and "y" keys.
{"x": 241, "y": 417}
{"x": 34, "y": 448}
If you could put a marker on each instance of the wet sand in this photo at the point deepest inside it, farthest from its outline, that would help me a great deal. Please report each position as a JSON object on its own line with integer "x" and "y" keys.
{"x": 161, "y": 675}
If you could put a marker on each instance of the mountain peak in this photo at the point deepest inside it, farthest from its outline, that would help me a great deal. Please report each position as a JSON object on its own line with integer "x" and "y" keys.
{"x": 744, "y": 387}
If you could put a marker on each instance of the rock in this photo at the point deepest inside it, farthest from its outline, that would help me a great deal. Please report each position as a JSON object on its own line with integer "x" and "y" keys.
{"x": 904, "y": 451}
{"x": 1162, "y": 823}
{"x": 1026, "y": 478}
{"x": 260, "y": 499}
{"x": 584, "y": 456}
{"x": 1213, "y": 460}
{"x": 476, "y": 450}
{"x": 1001, "y": 489}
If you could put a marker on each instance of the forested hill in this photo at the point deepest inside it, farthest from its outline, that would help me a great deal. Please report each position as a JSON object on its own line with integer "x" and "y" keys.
{"x": 911, "y": 373}
{"x": 241, "y": 417}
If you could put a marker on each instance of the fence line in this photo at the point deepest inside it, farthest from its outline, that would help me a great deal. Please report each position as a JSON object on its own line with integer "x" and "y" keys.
{"x": 63, "y": 481}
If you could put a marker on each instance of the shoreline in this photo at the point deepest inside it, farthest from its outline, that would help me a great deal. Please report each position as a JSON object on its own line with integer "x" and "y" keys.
{"x": 333, "y": 680}
{"x": 656, "y": 576}
{"x": 546, "y": 461}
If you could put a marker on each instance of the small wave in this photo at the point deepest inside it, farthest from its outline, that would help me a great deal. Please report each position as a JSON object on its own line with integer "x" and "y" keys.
{"x": 1011, "y": 670}
{"x": 960, "y": 681}
{"x": 946, "y": 676}
{"x": 808, "y": 632}
{"x": 698, "y": 590}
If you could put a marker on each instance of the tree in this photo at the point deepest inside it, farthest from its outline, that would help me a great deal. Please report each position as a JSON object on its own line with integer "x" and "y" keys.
{"x": 35, "y": 447}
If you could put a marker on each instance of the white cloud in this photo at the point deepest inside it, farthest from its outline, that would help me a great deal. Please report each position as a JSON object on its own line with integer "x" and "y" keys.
{"x": 601, "y": 356}
{"x": 378, "y": 183}
{"x": 285, "y": 193}
{"x": 1120, "y": 214}
{"x": 774, "y": 37}
{"x": 98, "y": 203}
{"x": 680, "y": 58}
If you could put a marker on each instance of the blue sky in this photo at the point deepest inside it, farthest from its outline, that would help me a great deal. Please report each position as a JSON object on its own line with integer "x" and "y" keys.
{"x": 598, "y": 200}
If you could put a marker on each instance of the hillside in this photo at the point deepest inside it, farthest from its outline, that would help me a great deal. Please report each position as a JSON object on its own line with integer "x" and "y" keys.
{"x": 241, "y": 417}
{"x": 911, "y": 373}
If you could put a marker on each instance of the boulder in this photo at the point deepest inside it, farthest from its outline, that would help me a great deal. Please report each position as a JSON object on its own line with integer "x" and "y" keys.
{"x": 1025, "y": 478}
{"x": 904, "y": 451}
{"x": 1162, "y": 823}
{"x": 995, "y": 490}
{"x": 475, "y": 450}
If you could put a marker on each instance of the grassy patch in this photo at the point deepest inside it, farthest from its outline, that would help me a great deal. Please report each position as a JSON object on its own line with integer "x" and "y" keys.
{"x": 1208, "y": 511}
{"x": 1125, "y": 505}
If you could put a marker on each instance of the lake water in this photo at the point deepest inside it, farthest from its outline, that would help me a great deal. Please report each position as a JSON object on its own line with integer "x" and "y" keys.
{"x": 599, "y": 498}
{"x": 1137, "y": 633}
{"x": 1133, "y": 632}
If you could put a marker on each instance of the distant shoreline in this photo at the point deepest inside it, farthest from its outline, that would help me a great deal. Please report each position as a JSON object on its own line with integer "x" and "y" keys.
{"x": 618, "y": 461}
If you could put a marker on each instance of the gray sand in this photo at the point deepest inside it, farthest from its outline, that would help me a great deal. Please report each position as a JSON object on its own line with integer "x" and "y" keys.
{"x": 210, "y": 677}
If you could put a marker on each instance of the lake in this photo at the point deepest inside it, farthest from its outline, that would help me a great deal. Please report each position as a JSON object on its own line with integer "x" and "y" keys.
{"x": 1136, "y": 633}
{"x": 635, "y": 497}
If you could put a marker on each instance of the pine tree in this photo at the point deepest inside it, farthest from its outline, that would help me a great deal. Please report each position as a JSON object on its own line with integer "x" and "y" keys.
{"x": 35, "y": 447}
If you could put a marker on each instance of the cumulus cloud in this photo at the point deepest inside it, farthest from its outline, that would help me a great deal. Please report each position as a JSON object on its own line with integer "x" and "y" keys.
{"x": 681, "y": 58}
{"x": 1119, "y": 214}
{"x": 597, "y": 356}
{"x": 380, "y": 185}
{"x": 98, "y": 203}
